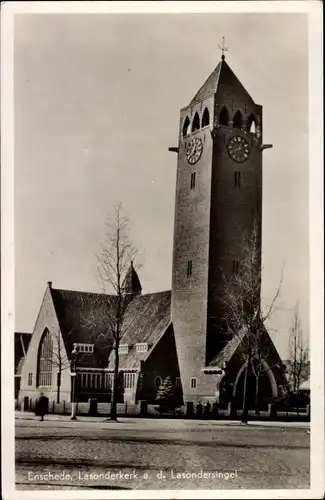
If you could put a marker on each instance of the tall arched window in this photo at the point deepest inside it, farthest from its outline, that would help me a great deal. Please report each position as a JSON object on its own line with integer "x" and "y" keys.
{"x": 238, "y": 120}
{"x": 186, "y": 126}
{"x": 196, "y": 123}
{"x": 251, "y": 124}
{"x": 224, "y": 117}
{"x": 205, "y": 118}
{"x": 44, "y": 362}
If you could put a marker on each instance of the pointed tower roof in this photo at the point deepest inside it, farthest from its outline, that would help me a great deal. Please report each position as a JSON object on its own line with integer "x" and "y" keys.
{"x": 131, "y": 284}
{"x": 222, "y": 76}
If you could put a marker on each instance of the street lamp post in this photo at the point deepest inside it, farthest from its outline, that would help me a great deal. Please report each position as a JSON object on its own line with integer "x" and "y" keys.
{"x": 74, "y": 358}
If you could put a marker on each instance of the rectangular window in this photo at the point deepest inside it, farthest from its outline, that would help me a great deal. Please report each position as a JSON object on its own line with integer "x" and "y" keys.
{"x": 178, "y": 381}
{"x": 129, "y": 380}
{"x": 108, "y": 380}
{"x": 237, "y": 179}
{"x": 85, "y": 347}
{"x": 30, "y": 379}
{"x": 235, "y": 266}
{"x": 141, "y": 347}
{"x": 193, "y": 382}
{"x": 189, "y": 268}
{"x": 123, "y": 349}
{"x": 193, "y": 179}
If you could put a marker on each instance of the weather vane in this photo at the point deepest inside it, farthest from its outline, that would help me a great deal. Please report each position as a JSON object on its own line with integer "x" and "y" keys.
{"x": 223, "y": 48}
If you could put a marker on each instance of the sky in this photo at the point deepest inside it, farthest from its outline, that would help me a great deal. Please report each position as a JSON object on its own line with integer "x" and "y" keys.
{"x": 97, "y": 101}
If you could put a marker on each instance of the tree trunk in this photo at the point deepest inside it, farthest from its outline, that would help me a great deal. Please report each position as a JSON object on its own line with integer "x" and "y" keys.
{"x": 257, "y": 410}
{"x": 115, "y": 387}
{"x": 244, "y": 415}
{"x": 58, "y": 385}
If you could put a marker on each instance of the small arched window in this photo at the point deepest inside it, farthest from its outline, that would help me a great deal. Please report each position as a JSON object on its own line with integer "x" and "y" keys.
{"x": 224, "y": 117}
{"x": 205, "y": 118}
{"x": 196, "y": 123}
{"x": 251, "y": 124}
{"x": 186, "y": 126}
{"x": 157, "y": 382}
{"x": 44, "y": 361}
{"x": 238, "y": 120}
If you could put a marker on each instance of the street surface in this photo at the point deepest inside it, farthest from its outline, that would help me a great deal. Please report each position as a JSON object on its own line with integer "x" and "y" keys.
{"x": 159, "y": 454}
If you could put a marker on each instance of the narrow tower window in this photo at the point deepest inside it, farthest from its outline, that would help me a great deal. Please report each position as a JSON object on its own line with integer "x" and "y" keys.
{"x": 205, "y": 118}
{"x": 193, "y": 179}
{"x": 193, "y": 382}
{"x": 224, "y": 117}
{"x": 251, "y": 124}
{"x": 235, "y": 266}
{"x": 189, "y": 268}
{"x": 237, "y": 179}
{"x": 186, "y": 126}
{"x": 238, "y": 120}
{"x": 196, "y": 123}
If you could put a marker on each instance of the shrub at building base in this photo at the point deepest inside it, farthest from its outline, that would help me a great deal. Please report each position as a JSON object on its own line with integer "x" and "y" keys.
{"x": 166, "y": 396}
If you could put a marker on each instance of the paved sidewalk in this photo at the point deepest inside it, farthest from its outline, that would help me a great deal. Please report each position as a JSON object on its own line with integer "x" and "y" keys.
{"x": 152, "y": 423}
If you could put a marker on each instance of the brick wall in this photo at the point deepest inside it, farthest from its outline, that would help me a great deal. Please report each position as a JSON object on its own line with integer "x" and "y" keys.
{"x": 46, "y": 319}
{"x": 210, "y": 221}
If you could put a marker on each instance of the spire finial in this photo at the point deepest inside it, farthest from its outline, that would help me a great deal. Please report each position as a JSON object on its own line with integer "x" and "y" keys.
{"x": 223, "y": 48}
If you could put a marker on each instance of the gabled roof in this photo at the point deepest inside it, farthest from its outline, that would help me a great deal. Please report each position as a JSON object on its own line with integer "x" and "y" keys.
{"x": 222, "y": 75}
{"x": 228, "y": 351}
{"x": 234, "y": 343}
{"x": 146, "y": 320}
{"x": 84, "y": 318}
{"x": 21, "y": 345}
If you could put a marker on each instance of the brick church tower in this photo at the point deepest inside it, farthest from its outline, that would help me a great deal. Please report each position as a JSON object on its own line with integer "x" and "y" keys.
{"x": 218, "y": 200}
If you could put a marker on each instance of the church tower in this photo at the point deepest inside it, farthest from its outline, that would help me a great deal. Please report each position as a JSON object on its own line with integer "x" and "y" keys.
{"x": 218, "y": 201}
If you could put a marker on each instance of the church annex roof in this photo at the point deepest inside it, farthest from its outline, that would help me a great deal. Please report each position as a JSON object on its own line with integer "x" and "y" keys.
{"x": 146, "y": 320}
{"x": 222, "y": 75}
{"x": 83, "y": 318}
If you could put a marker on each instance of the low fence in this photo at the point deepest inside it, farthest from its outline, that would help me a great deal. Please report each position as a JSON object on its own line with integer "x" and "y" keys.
{"x": 142, "y": 409}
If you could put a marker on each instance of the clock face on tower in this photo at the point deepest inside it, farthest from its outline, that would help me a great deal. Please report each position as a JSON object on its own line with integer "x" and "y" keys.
{"x": 238, "y": 149}
{"x": 194, "y": 150}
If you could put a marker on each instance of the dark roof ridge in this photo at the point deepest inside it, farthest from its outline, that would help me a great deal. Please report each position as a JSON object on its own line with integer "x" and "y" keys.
{"x": 154, "y": 293}
{"x": 81, "y": 291}
{"x": 103, "y": 294}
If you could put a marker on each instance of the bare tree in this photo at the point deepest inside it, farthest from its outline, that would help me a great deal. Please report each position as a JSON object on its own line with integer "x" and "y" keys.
{"x": 243, "y": 314}
{"x": 113, "y": 263}
{"x": 298, "y": 362}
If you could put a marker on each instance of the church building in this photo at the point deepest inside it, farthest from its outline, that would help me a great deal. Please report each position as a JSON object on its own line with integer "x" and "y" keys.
{"x": 177, "y": 333}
